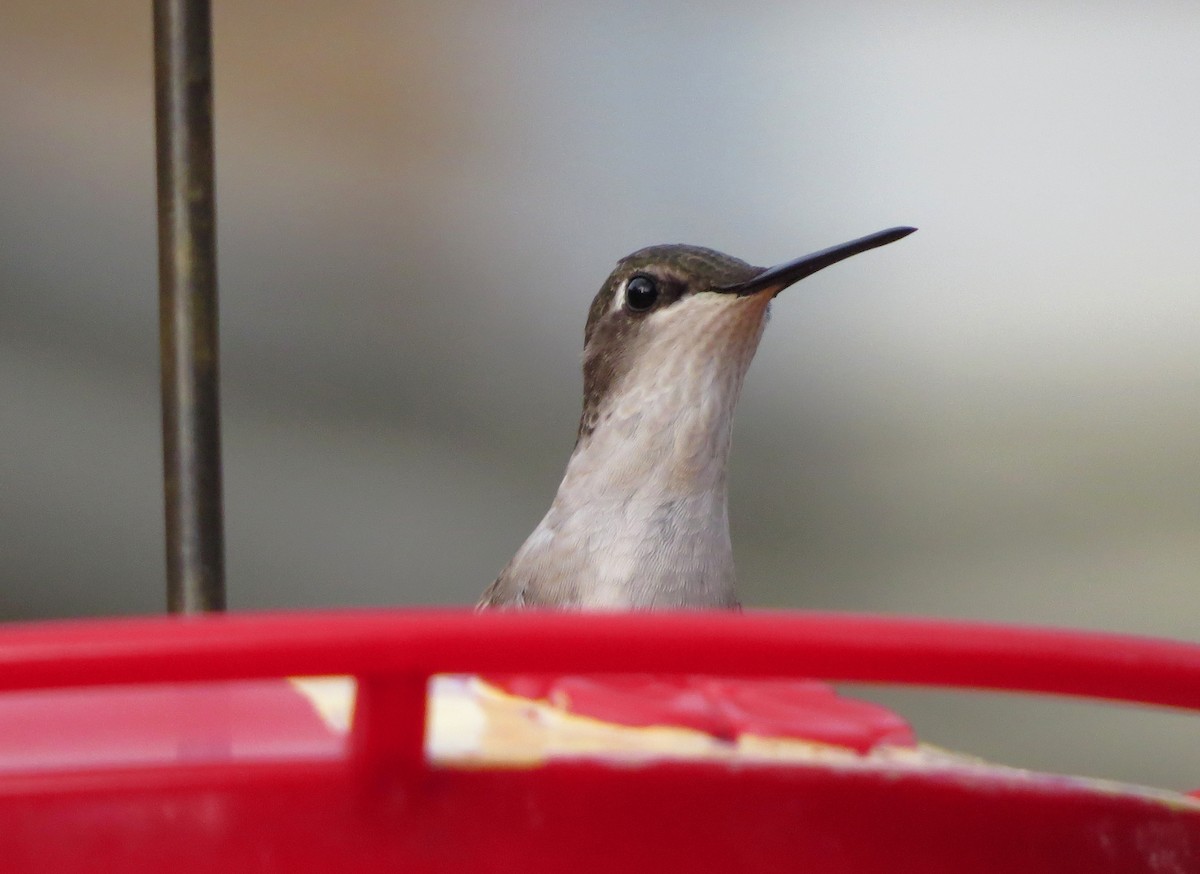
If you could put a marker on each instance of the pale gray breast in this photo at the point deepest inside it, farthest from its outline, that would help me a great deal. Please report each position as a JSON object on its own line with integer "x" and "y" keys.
{"x": 624, "y": 556}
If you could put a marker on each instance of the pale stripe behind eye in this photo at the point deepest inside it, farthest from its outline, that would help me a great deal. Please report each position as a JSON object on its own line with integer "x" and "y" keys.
{"x": 619, "y": 297}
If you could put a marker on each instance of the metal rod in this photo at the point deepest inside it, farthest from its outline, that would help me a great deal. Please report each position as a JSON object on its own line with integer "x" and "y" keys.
{"x": 187, "y": 300}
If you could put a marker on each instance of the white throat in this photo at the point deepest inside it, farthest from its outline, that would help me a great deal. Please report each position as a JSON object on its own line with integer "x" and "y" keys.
{"x": 641, "y": 517}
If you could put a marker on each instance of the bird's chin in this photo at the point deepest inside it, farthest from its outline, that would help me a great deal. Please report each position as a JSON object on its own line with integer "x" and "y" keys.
{"x": 712, "y": 327}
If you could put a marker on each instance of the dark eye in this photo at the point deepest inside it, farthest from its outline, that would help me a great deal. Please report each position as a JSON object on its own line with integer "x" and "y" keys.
{"x": 641, "y": 293}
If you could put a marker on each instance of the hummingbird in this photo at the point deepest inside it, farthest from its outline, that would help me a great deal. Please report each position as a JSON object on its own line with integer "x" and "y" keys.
{"x": 641, "y": 518}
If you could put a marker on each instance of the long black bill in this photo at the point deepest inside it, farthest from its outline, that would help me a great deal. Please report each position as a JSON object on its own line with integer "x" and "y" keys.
{"x": 775, "y": 279}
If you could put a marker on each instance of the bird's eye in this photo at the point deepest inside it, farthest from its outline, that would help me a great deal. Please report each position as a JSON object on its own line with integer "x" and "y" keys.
{"x": 641, "y": 293}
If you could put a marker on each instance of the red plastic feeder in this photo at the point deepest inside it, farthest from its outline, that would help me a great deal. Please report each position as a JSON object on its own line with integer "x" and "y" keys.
{"x": 668, "y": 742}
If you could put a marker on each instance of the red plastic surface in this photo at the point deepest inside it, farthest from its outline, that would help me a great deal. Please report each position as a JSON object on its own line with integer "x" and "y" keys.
{"x": 421, "y": 643}
{"x": 580, "y": 817}
{"x": 802, "y": 709}
{"x": 160, "y": 724}
{"x": 378, "y": 806}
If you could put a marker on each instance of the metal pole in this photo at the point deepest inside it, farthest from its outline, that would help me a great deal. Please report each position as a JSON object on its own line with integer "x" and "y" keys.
{"x": 187, "y": 301}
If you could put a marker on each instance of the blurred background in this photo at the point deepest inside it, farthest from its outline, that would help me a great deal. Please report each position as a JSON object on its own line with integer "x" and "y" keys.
{"x": 996, "y": 418}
